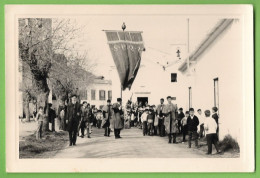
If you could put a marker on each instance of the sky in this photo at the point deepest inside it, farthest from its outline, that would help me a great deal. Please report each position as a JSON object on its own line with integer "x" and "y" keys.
{"x": 162, "y": 35}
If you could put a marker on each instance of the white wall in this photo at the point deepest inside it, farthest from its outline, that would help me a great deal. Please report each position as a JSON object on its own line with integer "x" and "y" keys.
{"x": 98, "y": 87}
{"x": 222, "y": 60}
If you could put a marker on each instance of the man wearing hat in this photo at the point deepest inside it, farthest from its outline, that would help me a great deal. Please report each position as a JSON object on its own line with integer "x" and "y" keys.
{"x": 160, "y": 115}
{"x": 171, "y": 121}
{"x": 117, "y": 123}
{"x": 107, "y": 111}
{"x": 73, "y": 117}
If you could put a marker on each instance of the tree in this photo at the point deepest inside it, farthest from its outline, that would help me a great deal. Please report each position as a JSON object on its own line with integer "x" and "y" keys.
{"x": 40, "y": 42}
{"x": 35, "y": 50}
{"x": 25, "y": 86}
{"x": 67, "y": 77}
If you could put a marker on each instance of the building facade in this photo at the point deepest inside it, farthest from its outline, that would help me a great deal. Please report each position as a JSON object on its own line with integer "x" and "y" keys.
{"x": 214, "y": 77}
{"x": 97, "y": 93}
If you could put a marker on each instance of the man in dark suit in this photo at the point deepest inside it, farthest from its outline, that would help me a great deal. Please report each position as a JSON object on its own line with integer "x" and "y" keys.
{"x": 160, "y": 115}
{"x": 117, "y": 123}
{"x": 72, "y": 118}
{"x": 107, "y": 111}
{"x": 192, "y": 124}
{"x": 52, "y": 116}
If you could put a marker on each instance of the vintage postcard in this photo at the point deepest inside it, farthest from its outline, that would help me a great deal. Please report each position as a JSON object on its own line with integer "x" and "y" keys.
{"x": 129, "y": 88}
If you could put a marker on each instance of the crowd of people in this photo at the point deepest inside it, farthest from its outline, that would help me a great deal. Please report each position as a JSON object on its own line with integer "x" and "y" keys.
{"x": 161, "y": 120}
{"x": 168, "y": 120}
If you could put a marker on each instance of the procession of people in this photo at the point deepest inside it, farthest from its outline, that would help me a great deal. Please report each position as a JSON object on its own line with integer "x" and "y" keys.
{"x": 161, "y": 120}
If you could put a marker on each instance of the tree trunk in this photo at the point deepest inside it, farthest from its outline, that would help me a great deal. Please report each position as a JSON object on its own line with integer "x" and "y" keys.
{"x": 27, "y": 110}
{"x": 42, "y": 99}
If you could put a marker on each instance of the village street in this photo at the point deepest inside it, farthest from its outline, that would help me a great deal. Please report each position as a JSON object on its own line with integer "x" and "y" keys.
{"x": 132, "y": 145}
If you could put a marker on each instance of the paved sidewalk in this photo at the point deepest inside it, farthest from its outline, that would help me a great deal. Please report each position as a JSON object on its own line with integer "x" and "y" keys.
{"x": 132, "y": 145}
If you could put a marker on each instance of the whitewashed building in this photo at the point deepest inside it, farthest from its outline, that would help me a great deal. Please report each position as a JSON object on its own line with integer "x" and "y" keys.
{"x": 97, "y": 93}
{"x": 214, "y": 76}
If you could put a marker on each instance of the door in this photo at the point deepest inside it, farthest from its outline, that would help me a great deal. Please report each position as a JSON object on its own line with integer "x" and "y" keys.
{"x": 142, "y": 100}
{"x": 190, "y": 97}
{"x": 216, "y": 93}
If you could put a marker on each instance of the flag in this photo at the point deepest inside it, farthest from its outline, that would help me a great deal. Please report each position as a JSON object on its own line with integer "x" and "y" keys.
{"x": 126, "y": 49}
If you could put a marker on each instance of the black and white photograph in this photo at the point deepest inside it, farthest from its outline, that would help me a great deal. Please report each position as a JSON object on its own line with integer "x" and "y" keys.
{"x": 129, "y": 88}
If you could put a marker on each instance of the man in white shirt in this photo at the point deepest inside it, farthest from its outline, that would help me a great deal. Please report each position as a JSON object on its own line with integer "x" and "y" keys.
{"x": 144, "y": 121}
{"x": 201, "y": 125}
{"x": 211, "y": 126}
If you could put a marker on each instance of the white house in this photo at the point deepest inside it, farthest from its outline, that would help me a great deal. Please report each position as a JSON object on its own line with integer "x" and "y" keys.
{"x": 98, "y": 92}
{"x": 214, "y": 76}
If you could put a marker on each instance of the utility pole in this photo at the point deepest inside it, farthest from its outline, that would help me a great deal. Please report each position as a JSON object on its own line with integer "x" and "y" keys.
{"x": 188, "y": 44}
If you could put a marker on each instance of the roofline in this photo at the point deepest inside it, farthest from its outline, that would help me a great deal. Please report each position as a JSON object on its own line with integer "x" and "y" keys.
{"x": 219, "y": 29}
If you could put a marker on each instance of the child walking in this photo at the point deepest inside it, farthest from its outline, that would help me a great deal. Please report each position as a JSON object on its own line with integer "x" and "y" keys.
{"x": 184, "y": 126}
{"x": 211, "y": 126}
{"x": 150, "y": 120}
{"x": 192, "y": 124}
{"x": 39, "y": 119}
{"x": 99, "y": 118}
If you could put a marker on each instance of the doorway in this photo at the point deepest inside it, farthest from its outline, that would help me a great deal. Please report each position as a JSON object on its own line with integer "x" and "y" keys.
{"x": 190, "y": 97}
{"x": 142, "y": 100}
{"x": 216, "y": 93}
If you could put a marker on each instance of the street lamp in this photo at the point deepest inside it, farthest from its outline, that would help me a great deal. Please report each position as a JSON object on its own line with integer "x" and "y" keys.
{"x": 178, "y": 53}
{"x": 123, "y": 26}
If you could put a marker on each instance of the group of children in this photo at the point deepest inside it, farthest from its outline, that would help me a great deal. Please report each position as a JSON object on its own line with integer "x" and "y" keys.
{"x": 189, "y": 124}
{"x": 147, "y": 119}
{"x": 199, "y": 126}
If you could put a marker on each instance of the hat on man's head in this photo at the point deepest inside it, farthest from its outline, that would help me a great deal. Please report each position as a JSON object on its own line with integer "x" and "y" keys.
{"x": 191, "y": 109}
{"x": 119, "y": 99}
{"x": 215, "y": 109}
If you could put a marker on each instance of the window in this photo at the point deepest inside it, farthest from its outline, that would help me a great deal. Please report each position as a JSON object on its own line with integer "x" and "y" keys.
{"x": 102, "y": 95}
{"x": 93, "y": 94}
{"x": 110, "y": 95}
{"x": 190, "y": 98}
{"x": 173, "y": 77}
{"x": 216, "y": 93}
{"x": 83, "y": 94}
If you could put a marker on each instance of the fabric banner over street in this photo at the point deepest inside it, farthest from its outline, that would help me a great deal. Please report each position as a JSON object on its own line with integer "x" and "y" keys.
{"x": 126, "y": 48}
